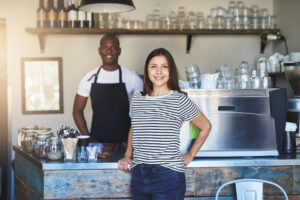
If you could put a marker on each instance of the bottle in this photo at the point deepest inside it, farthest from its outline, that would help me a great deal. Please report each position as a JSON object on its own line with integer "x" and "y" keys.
{"x": 62, "y": 14}
{"x": 89, "y": 19}
{"x": 72, "y": 15}
{"x": 52, "y": 14}
{"x": 41, "y": 15}
{"x": 81, "y": 16}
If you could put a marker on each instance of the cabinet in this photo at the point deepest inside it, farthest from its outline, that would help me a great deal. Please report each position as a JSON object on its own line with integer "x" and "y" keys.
{"x": 189, "y": 33}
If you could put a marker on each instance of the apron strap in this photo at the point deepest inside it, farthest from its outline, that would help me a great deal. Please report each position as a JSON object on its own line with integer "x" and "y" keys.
{"x": 120, "y": 75}
{"x": 96, "y": 75}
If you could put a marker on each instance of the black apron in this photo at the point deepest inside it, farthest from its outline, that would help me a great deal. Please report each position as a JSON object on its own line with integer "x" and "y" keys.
{"x": 110, "y": 104}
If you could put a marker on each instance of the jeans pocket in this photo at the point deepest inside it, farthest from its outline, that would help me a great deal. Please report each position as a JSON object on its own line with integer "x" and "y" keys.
{"x": 160, "y": 169}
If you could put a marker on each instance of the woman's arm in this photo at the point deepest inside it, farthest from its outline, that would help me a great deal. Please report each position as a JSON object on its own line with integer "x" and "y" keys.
{"x": 125, "y": 163}
{"x": 204, "y": 125}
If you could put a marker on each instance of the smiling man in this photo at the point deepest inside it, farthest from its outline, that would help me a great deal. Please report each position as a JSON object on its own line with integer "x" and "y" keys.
{"x": 110, "y": 88}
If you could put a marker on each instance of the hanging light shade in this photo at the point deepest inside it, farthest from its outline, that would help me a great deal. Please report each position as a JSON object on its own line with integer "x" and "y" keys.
{"x": 106, "y": 6}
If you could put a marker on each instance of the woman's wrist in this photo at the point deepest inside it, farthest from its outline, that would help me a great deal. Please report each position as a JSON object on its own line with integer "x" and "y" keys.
{"x": 128, "y": 155}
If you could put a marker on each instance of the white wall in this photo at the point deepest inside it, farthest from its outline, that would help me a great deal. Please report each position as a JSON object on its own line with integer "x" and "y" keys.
{"x": 79, "y": 52}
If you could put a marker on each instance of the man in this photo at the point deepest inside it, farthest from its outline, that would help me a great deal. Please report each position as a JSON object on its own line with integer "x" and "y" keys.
{"x": 110, "y": 87}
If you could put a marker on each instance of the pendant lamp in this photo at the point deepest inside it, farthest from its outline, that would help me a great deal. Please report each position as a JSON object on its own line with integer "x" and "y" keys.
{"x": 106, "y": 6}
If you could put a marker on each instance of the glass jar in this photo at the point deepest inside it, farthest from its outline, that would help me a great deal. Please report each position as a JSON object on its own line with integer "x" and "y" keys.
{"x": 55, "y": 151}
{"x": 21, "y": 134}
{"x": 42, "y": 142}
{"x": 27, "y": 143}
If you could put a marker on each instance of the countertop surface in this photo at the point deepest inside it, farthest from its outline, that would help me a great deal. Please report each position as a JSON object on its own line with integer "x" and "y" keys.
{"x": 111, "y": 163}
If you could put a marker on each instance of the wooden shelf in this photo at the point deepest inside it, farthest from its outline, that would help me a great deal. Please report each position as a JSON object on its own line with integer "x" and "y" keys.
{"x": 42, "y": 32}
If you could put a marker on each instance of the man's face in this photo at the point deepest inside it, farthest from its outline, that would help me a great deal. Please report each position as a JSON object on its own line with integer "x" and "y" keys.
{"x": 109, "y": 51}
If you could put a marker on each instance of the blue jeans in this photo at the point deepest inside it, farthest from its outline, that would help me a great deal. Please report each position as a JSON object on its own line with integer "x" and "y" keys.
{"x": 154, "y": 182}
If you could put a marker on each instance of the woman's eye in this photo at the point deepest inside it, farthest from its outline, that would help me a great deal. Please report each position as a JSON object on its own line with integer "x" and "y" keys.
{"x": 165, "y": 66}
{"x": 153, "y": 66}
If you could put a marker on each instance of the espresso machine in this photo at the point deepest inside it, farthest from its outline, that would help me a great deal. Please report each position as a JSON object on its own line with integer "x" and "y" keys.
{"x": 292, "y": 73}
{"x": 245, "y": 122}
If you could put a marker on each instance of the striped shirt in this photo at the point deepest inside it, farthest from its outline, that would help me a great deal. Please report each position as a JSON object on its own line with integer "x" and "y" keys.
{"x": 156, "y": 124}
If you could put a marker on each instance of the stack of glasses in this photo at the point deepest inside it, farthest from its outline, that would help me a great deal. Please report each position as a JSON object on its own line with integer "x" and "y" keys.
{"x": 193, "y": 76}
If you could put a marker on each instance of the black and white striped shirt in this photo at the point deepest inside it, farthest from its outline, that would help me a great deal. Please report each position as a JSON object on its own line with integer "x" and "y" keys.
{"x": 156, "y": 124}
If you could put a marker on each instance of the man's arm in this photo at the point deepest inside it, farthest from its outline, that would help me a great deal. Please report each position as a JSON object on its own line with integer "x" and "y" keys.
{"x": 78, "y": 108}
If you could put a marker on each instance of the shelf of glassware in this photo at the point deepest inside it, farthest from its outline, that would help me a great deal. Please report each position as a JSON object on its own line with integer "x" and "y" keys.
{"x": 42, "y": 32}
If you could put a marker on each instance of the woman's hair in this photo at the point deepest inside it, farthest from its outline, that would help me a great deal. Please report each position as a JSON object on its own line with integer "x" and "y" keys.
{"x": 173, "y": 79}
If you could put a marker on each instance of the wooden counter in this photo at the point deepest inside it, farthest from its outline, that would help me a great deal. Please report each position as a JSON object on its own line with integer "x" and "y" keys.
{"x": 42, "y": 179}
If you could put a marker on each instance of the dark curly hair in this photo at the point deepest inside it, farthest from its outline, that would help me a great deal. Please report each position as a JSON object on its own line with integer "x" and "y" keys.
{"x": 173, "y": 79}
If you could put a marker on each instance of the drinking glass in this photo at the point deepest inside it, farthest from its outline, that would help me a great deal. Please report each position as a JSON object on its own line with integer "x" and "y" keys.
{"x": 173, "y": 20}
{"x": 193, "y": 76}
{"x": 200, "y": 20}
{"x": 219, "y": 22}
{"x": 244, "y": 75}
{"x": 246, "y": 23}
{"x": 255, "y": 80}
{"x": 264, "y": 12}
{"x": 266, "y": 82}
{"x": 214, "y": 12}
{"x": 166, "y": 22}
{"x": 240, "y": 4}
{"x": 210, "y": 22}
{"x": 149, "y": 22}
{"x": 231, "y": 4}
{"x": 228, "y": 79}
{"x": 237, "y": 22}
{"x": 220, "y": 11}
{"x": 181, "y": 17}
{"x": 228, "y": 23}
{"x": 92, "y": 153}
{"x": 255, "y": 23}
{"x": 192, "y": 20}
{"x": 271, "y": 22}
{"x": 263, "y": 22}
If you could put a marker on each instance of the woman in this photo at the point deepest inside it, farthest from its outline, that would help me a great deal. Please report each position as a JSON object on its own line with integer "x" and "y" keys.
{"x": 156, "y": 115}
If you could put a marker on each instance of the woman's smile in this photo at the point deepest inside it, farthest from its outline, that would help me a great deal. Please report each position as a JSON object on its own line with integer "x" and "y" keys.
{"x": 158, "y": 71}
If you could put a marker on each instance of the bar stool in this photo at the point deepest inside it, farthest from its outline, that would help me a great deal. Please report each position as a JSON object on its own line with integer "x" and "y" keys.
{"x": 249, "y": 189}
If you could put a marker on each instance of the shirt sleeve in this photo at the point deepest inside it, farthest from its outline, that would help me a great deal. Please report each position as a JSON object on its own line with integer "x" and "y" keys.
{"x": 188, "y": 109}
{"x": 85, "y": 85}
{"x": 130, "y": 107}
{"x": 139, "y": 85}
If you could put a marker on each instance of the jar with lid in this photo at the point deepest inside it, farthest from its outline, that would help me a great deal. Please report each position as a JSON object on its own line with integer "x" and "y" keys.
{"x": 21, "y": 134}
{"x": 55, "y": 151}
{"x": 27, "y": 143}
{"x": 42, "y": 143}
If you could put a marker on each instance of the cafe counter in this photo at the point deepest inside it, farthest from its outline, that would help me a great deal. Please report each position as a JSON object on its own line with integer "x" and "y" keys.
{"x": 43, "y": 179}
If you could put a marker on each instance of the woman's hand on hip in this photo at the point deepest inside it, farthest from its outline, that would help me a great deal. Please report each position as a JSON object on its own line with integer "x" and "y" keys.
{"x": 125, "y": 164}
{"x": 187, "y": 159}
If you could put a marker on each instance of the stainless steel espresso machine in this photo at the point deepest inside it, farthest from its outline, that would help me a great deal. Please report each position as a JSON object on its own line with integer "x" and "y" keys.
{"x": 244, "y": 122}
{"x": 292, "y": 73}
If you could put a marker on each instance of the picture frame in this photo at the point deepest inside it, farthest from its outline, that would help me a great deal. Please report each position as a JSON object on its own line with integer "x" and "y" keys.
{"x": 42, "y": 85}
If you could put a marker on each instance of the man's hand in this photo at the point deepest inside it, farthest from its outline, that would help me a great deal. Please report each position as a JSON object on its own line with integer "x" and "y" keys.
{"x": 125, "y": 164}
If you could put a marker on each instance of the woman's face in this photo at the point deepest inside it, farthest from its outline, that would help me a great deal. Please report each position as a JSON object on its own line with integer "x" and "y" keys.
{"x": 158, "y": 71}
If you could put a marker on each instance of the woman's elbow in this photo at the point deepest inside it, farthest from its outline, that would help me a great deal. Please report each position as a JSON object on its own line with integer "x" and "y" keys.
{"x": 208, "y": 127}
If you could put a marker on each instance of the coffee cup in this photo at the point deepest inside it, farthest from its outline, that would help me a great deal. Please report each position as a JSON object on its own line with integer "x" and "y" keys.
{"x": 83, "y": 140}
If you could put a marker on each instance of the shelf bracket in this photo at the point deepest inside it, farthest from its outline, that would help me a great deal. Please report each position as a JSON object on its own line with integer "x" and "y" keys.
{"x": 42, "y": 42}
{"x": 188, "y": 43}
